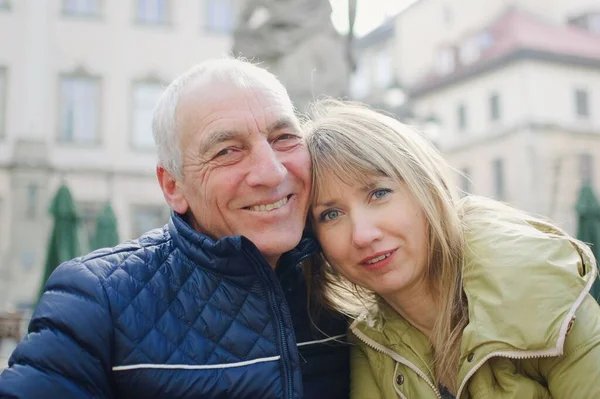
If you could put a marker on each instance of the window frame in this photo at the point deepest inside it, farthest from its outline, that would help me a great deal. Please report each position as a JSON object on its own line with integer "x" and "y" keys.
{"x": 582, "y": 103}
{"x": 132, "y": 114}
{"x": 3, "y": 102}
{"x": 209, "y": 28}
{"x": 499, "y": 178}
{"x": 65, "y": 12}
{"x": 138, "y": 20}
{"x": 80, "y": 73}
{"x": 586, "y": 167}
{"x": 466, "y": 184}
{"x": 136, "y": 207}
{"x": 7, "y": 6}
{"x": 461, "y": 117}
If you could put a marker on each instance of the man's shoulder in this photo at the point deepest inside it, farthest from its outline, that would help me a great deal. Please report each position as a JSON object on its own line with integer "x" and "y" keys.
{"x": 148, "y": 251}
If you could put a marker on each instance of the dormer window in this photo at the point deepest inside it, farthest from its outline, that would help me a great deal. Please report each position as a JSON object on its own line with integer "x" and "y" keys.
{"x": 445, "y": 60}
{"x": 589, "y": 22}
{"x": 473, "y": 46}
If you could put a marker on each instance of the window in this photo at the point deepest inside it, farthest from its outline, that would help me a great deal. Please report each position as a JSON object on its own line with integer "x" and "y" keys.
{"x": 85, "y": 8}
{"x": 359, "y": 82}
{"x": 586, "y": 167}
{"x": 461, "y": 114}
{"x": 219, "y": 16}
{"x": 447, "y": 14}
{"x": 148, "y": 217}
{"x": 88, "y": 212}
{"x": 465, "y": 181}
{"x": 588, "y": 21}
{"x": 3, "y": 90}
{"x": 499, "y": 183}
{"x": 582, "y": 103}
{"x": 472, "y": 47}
{"x": 32, "y": 201}
{"x": 79, "y": 110}
{"x": 383, "y": 69}
{"x": 494, "y": 107}
{"x": 4, "y": 228}
{"x": 145, "y": 97}
{"x": 445, "y": 60}
{"x": 152, "y": 11}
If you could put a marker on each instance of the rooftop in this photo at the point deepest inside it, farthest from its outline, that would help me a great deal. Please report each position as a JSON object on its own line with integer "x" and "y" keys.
{"x": 515, "y": 35}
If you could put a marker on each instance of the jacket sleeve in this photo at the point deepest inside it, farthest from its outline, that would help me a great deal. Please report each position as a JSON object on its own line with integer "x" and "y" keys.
{"x": 66, "y": 352}
{"x": 577, "y": 372}
{"x": 362, "y": 379}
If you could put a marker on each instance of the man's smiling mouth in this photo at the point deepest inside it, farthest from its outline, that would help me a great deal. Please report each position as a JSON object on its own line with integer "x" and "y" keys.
{"x": 269, "y": 207}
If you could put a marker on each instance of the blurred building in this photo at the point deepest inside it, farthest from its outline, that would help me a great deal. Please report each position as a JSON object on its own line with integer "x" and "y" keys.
{"x": 78, "y": 83}
{"x": 513, "y": 89}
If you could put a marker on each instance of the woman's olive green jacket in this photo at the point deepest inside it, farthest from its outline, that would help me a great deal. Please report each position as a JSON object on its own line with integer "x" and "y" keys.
{"x": 533, "y": 332}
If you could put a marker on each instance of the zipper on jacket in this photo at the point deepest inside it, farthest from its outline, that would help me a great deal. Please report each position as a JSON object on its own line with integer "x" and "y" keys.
{"x": 284, "y": 350}
{"x": 382, "y": 349}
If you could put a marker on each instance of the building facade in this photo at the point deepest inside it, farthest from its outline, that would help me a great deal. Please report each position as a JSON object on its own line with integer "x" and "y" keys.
{"x": 78, "y": 83}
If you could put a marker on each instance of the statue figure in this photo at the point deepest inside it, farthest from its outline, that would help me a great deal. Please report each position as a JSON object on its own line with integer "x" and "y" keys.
{"x": 296, "y": 40}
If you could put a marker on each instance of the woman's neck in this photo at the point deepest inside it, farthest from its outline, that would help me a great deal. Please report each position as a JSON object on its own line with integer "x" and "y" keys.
{"x": 417, "y": 305}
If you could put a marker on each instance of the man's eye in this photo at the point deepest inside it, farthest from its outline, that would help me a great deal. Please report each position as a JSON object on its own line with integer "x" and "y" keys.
{"x": 223, "y": 152}
{"x": 286, "y": 140}
{"x": 287, "y": 136}
{"x": 329, "y": 215}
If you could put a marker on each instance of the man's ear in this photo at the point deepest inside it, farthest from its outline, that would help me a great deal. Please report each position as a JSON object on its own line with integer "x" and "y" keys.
{"x": 171, "y": 190}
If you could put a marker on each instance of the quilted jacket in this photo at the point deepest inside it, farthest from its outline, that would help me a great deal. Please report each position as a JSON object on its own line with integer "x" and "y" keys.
{"x": 175, "y": 314}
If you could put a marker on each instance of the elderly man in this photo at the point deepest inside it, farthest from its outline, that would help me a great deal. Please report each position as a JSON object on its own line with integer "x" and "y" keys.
{"x": 213, "y": 305}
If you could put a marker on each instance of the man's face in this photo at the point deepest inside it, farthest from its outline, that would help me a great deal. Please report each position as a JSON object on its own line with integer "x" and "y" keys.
{"x": 246, "y": 170}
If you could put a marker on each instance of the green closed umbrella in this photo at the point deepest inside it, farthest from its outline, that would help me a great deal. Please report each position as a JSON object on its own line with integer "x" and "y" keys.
{"x": 64, "y": 243}
{"x": 588, "y": 226}
{"x": 106, "y": 234}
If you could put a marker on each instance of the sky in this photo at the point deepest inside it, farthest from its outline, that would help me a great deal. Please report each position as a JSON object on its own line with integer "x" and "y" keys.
{"x": 369, "y": 14}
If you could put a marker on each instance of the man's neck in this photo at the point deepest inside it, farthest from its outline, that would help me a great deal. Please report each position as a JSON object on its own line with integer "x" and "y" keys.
{"x": 273, "y": 261}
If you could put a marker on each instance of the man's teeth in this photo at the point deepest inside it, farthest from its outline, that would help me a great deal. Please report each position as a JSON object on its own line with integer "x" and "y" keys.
{"x": 379, "y": 258}
{"x": 269, "y": 207}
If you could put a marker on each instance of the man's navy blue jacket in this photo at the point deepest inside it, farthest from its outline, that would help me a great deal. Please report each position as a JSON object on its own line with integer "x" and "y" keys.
{"x": 173, "y": 315}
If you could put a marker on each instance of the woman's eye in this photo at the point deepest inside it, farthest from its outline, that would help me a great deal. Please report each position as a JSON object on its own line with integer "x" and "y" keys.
{"x": 381, "y": 193}
{"x": 329, "y": 215}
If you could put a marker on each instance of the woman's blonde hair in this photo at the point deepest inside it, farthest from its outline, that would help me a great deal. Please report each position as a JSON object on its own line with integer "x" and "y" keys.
{"x": 353, "y": 143}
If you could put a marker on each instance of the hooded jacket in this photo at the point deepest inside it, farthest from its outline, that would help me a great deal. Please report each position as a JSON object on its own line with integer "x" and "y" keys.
{"x": 176, "y": 314}
{"x": 533, "y": 331}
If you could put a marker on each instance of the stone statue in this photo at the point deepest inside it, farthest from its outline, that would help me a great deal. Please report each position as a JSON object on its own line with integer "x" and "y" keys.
{"x": 296, "y": 40}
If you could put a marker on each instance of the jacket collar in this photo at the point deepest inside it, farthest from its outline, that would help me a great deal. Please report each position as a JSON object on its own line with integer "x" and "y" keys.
{"x": 230, "y": 255}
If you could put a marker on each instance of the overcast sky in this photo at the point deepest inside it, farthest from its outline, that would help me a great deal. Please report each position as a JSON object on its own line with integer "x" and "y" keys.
{"x": 370, "y": 13}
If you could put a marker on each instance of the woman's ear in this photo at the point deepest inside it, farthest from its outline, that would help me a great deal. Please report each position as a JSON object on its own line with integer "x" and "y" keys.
{"x": 172, "y": 190}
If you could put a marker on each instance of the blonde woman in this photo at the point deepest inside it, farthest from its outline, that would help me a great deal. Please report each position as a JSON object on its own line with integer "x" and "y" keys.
{"x": 452, "y": 298}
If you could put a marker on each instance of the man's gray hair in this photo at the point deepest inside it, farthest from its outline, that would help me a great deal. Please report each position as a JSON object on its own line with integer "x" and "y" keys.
{"x": 231, "y": 71}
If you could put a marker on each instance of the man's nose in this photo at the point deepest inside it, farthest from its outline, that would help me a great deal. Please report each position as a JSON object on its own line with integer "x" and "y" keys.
{"x": 266, "y": 168}
{"x": 364, "y": 231}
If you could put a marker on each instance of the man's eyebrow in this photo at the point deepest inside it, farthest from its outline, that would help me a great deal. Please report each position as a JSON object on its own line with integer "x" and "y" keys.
{"x": 214, "y": 138}
{"x": 285, "y": 122}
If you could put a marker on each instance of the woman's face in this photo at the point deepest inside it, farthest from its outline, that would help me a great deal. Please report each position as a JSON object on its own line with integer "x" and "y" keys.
{"x": 373, "y": 234}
